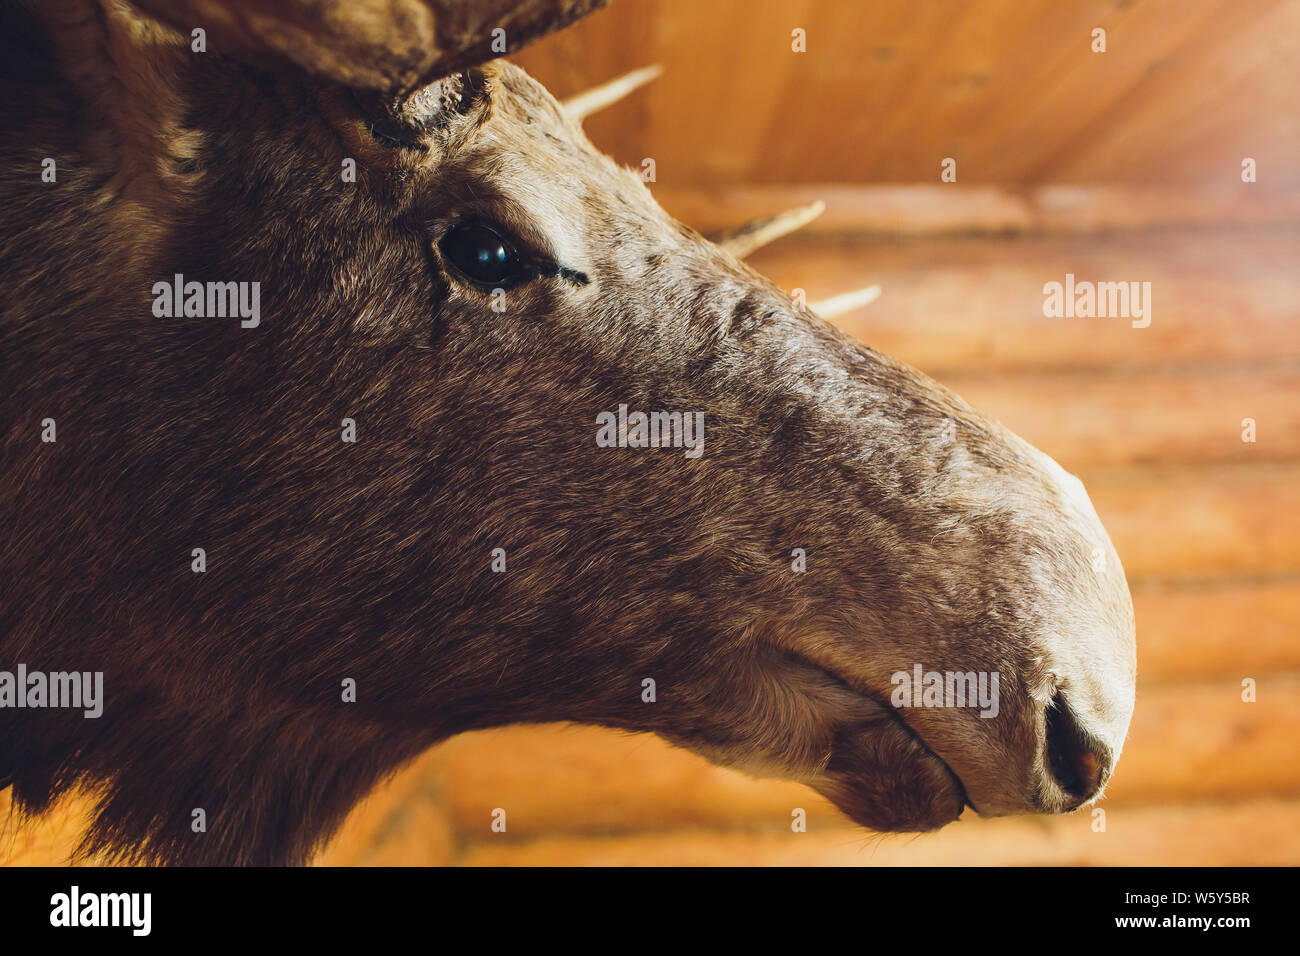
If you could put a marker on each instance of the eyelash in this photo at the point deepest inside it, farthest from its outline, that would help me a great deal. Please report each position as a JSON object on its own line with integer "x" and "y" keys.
{"x": 394, "y": 141}
{"x": 532, "y": 266}
{"x": 553, "y": 270}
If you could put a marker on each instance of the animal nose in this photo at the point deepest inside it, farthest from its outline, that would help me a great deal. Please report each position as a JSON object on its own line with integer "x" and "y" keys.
{"x": 1076, "y": 759}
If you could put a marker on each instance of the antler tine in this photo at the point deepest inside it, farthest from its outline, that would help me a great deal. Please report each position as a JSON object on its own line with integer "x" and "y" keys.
{"x": 846, "y": 302}
{"x": 753, "y": 235}
{"x": 598, "y": 97}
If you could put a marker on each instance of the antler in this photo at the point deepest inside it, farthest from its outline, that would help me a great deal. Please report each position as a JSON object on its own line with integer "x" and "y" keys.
{"x": 389, "y": 45}
{"x": 845, "y": 302}
{"x": 742, "y": 240}
{"x": 598, "y": 97}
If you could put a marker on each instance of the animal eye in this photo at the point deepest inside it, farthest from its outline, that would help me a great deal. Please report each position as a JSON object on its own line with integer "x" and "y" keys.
{"x": 482, "y": 254}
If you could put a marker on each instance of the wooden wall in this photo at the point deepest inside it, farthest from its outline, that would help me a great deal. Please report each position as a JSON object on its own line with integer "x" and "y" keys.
{"x": 886, "y": 89}
{"x": 1122, "y": 166}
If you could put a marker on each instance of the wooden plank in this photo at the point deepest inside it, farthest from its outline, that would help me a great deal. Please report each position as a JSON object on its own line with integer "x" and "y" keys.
{"x": 1204, "y": 135}
{"x": 1188, "y": 741}
{"x": 400, "y": 820}
{"x": 1195, "y": 741}
{"x": 1257, "y": 833}
{"x": 1198, "y": 629}
{"x": 954, "y": 305}
{"x": 562, "y": 778}
{"x": 933, "y": 210}
{"x": 1200, "y": 522}
{"x": 1011, "y": 90}
{"x": 1157, "y": 416}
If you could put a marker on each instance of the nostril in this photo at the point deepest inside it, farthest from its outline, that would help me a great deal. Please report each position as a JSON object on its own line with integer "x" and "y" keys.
{"x": 1077, "y": 760}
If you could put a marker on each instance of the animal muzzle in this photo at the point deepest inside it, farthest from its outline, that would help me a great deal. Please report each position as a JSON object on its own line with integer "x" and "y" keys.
{"x": 1004, "y": 656}
{"x": 1077, "y": 761}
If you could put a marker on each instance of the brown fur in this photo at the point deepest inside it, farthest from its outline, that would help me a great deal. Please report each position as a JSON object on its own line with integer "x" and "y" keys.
{"x": 933, "y": 535}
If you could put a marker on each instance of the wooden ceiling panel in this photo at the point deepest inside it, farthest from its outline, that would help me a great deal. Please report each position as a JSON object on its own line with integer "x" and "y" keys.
{"x": 887, "y": 89}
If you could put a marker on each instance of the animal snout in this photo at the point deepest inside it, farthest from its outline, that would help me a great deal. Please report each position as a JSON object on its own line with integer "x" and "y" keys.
{"x": 1077, "y": 760}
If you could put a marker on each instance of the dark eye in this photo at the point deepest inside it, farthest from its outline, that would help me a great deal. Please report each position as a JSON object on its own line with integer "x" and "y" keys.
{"x": 481, "y": 253}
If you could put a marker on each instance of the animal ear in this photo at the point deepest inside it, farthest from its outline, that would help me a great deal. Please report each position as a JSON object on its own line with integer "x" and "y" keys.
{"x": 388, "y": 45}
{"x": 373, "y": 124}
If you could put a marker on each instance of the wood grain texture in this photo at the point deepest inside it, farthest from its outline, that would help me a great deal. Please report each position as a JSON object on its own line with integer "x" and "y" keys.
{"x": 1238, "y": 834}
{"x": 1201, "y": 522}
{"x": 954, "y": 306}
{"x": 1190, "y": 741}
{"x": 963, "y": 209}
{"x": 1199, "y": 628}
{"x": 885, "y": 91}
